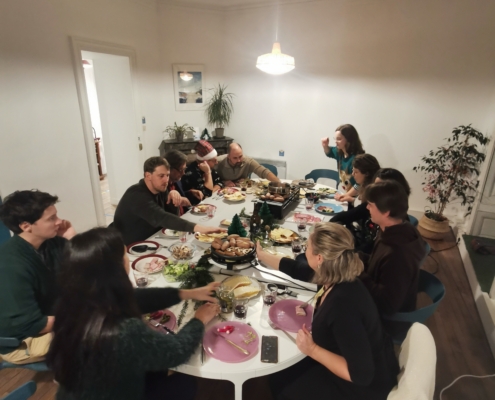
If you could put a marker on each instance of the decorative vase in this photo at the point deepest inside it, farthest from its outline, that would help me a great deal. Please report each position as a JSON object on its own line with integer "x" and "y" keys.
{"x": 219, "y": 132}
{"x": 431, "y": 229}
{"x": 179, "y": 136}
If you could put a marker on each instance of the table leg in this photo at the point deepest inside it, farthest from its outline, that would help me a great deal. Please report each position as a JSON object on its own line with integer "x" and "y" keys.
{"x": 238, "y": 382}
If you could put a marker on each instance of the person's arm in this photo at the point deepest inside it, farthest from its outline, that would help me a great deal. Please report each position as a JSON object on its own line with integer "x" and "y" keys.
{"x": 298, "y": 268}
{"x": 207, "y": 174}
{"x": 264, "y": 173}
{"x": 271, "y": 177}
{"x": 349, "y": 196}
{"x": 357, "y": 213}
{"x": 49, "y": 325}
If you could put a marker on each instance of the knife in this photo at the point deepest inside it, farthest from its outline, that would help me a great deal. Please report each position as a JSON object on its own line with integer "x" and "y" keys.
{"x": 232, "y": 343}
{"x": 158, "y": 325}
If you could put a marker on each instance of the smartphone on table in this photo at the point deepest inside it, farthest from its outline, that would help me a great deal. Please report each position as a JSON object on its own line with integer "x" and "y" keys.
{"x": 269, "y": 349}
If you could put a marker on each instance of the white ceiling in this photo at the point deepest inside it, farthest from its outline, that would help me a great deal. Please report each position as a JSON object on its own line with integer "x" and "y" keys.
{"x": 231, "y": 4}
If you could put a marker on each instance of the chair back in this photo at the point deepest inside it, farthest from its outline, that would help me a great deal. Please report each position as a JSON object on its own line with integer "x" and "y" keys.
{"x": 23, "y": 392}
{"x": 413, "y": 220}
{"x": 324, "y": 173}
{"x": 4, "y": 231}
{"x": 9, "y": 342}
{"x": 417, "y": 359}
{"x": 272, "y": 168}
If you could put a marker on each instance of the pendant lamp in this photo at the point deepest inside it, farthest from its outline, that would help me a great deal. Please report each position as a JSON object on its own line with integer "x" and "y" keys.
{"x": 185, "y": 76}
{"x": 275, "y": 63}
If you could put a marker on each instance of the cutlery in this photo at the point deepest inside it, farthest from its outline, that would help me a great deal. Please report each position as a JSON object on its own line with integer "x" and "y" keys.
{"x": 232, "y": 343}
{"x": 158, "y": 325}
{"x": 304, "y": 305}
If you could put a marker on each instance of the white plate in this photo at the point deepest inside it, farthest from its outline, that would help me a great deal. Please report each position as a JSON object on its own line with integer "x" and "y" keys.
{"x": 235, "y": 200}
{"x": 169, "y": 233}
{"x": 149, "y": 243}
{"x": 140, "y": 263}
{"x": 254, "y": 283}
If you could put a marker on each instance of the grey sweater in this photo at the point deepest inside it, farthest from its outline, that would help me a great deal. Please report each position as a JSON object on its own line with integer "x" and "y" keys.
{"x": 141, "y": 213}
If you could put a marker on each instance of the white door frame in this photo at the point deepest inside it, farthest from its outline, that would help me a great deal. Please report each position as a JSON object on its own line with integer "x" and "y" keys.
{"x": 81, "y": 44}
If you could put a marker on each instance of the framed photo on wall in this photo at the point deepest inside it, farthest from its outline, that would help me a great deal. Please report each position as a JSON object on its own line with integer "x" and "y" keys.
{"x": 188, "y": 86}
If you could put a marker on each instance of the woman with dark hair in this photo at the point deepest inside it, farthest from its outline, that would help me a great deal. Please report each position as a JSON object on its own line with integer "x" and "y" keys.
{"x": 347, "y": 146}
{"x": 348, "y": 354}
{"x": 101, "y": 348}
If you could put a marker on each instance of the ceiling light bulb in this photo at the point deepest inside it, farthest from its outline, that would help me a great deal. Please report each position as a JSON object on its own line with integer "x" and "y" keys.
{"x": 275, "y": 63}
{"x": 185, "y": 76}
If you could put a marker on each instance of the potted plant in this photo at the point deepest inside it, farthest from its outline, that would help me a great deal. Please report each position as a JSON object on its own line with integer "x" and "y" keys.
{"x": 178, "y": 132}
{"x": 451, "y": 172}
{"x": 219, "y": 109}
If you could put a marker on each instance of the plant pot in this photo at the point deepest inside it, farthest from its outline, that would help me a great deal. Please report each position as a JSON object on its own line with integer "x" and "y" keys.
{"x": 179, "y": 136}
{"x": 219, "y": 132}
{"x": 432, "y": 229}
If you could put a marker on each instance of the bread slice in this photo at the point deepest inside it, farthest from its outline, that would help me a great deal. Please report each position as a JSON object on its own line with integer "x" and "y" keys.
{"x": 245, "y": 291}
{"x": 236, "y": 281}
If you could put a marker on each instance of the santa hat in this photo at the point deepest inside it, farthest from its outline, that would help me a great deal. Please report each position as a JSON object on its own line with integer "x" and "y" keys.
{"x": 205, "y": 151}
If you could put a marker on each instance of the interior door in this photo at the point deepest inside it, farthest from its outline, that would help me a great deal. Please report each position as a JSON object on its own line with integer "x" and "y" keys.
{"x": 119, "y": 121}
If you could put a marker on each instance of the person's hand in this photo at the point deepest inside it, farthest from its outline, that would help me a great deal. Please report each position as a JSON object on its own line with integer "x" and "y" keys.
{"x": 259, "y": 251}
{"x": 175, "y": 198}
{"x": 197, "y": 193}
{"x": 207, "y": 312}
{"x": 345, "y": 197}
{"x": 304, "y": 341}
{"x": 203, "y": 166}
{"x": 203, "y": 293}
{"x": 325, "y": 142}
{"x": 229, "y": 184}
{"x": 66, "y": 230}
{"x": 338, "y": 196}
{"x": 209, "y": 229}
{"x": 184, "y": 202}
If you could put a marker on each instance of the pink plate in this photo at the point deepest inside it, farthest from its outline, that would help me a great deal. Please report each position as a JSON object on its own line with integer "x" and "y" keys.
{"x": 220, "y": 349}
{"x": 139, "y": 262}
{"x": 146, "y": 242}
{"x": 283, "y": 315}
{"x": 170, "y": 324}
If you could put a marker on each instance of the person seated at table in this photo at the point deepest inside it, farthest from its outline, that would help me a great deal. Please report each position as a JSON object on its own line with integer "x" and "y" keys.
{"x": 347, "y": 146}
{"x": 234, "y": 166}
{"x": 29, "y": 261}
{"x": 364, "y": 168}
{"x": 145, "y": 207}
{"x": 201, "y": 175}
{"x": 102, "y": 348}
{"x": 178, "y": 161}
{"x": 348, "y": 354}
{"x": 391, "y": 272}
{"x": 392, "y": 174}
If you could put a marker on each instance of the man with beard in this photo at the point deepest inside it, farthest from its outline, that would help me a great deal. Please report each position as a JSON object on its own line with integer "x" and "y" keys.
{"x": 234, "y": 166}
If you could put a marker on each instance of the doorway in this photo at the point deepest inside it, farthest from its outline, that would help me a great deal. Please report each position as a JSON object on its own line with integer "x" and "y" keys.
{"x": 111, "y": 121}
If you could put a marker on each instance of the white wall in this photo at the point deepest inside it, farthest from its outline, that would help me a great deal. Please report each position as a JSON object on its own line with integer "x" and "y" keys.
{"x": 403, "y": 72}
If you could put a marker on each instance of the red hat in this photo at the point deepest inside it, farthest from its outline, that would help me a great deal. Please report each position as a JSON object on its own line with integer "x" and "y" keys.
{"x": 205, "y": 151}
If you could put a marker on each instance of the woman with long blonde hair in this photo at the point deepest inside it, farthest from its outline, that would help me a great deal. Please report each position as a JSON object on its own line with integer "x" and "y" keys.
{"x": 348, "y": 354}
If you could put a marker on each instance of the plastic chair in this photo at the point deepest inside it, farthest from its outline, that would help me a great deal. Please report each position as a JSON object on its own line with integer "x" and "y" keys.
{"x": 417, "y": 359}
{"x": 23, "y": 392}
{"x": 323, "y": 173}
{"x": 14, "y": 343}
{"x": 413, "y": 220}
{"x": 429, "y": 284}
{"x": 272, "y": 168}
{"x": 4, "y": 231}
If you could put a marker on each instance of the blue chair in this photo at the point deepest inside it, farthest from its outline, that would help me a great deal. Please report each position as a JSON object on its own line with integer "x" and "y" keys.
{"x": 15, "y": 343}
{"x": 4, "y": 232}
{"x": 323, "y": 173}
{"x": 272, "y": 168}
{"x": 23, "y": 392}
{"x": 429, "y": 284}
{"x": 413, "y": 220}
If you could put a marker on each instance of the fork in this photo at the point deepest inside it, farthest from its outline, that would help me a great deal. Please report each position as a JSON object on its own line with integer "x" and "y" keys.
{"x": 304, "y": 305}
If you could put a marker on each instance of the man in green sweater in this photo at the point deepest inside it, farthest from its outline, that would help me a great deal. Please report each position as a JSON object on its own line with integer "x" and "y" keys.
{"x": 149, "y": 206}
{"x": 28, "y": 264}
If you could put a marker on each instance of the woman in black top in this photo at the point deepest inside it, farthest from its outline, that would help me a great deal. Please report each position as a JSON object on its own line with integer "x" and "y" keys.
{"x": 349, "y": 356}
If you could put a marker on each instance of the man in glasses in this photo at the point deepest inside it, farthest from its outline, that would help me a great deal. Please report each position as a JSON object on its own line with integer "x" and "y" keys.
{"x": 149, "y": 206}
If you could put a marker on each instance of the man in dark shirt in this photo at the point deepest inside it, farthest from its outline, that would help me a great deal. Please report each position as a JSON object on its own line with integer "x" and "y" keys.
{"x": 200, "y": 174}
{"x": 148, "y": 206}
{"x": 29, "y": 262}
{"x": 391, "y": 272}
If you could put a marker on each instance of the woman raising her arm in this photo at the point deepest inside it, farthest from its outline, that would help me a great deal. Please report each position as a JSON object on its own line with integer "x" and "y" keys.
{"x": 348, "y": 354}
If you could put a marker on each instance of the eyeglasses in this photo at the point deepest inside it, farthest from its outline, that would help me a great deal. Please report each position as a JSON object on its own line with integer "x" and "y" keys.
{"x": 182, "y": 171}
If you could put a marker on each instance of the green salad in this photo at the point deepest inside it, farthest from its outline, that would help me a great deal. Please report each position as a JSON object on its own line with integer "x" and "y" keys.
{"x": 174, "y": 269}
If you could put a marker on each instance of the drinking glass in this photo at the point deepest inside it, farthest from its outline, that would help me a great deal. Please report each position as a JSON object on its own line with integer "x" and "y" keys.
{"x": 296, "y": 247}
{"x": 211, "y": 211}
{"x": 226, "y": 298}
{"x": 141, "y": 278}
{"x": 183, "y": 237}
{"x": 310, "y": 203}
{"x": 270, "y": 294}
{"x": 301, "y": 224}
{"x": 240, "y": 308}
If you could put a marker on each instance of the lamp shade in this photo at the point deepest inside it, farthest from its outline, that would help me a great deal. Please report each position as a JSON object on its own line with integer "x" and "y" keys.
{"x": 275, "y": 63}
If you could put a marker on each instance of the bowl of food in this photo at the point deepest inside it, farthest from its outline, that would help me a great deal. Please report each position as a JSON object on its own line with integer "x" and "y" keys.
{"x": 182, "y": 251}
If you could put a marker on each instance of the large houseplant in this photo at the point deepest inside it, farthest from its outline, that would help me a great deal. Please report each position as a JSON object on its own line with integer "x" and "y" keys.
{"x": 178, "y": 131}
{"x": 451, "y": 172}
{"x": 219, "y": 109}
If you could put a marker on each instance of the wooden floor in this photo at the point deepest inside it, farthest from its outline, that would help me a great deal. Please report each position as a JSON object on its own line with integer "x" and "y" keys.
{"x": 462, "y": 347}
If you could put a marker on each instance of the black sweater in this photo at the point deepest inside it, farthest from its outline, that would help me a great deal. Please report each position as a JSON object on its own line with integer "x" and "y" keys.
{"x": 141, "y": 213}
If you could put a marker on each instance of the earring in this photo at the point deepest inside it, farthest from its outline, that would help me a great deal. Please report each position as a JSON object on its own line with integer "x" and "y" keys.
{"x": 319, "y": 265}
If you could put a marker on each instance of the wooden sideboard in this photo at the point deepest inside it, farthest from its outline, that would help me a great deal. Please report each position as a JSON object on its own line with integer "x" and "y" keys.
{"x": 220, "y": 144}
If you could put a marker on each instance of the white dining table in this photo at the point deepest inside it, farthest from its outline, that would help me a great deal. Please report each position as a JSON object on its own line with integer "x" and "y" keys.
{"x": 257, "y": 315}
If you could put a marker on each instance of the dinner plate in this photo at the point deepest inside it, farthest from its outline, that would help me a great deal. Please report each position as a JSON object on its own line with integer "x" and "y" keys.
{"x": 283, "y": 315}
{"x": 310, "y": 219}
{"x": 208, "y": 238}
{"x": 229, "y": 190}
{"x": 284, "y": 241}
{"x": 254, "y": 283}
{"x": 144, "y": 242}
{"x": 220, "y": 349}
{"x": 139, "y": 263}
{"x": 235, "y": 200}
{"x": 336, "y": 208}
{"x": 198, "y": 208}
{"x": 170, "y": 324}
{"x": 169, "y": 233}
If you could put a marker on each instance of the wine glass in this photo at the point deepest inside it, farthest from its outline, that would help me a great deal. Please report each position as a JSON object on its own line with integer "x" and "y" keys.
{"x": 296, "y": 247}
{"x": 301, "y": 223}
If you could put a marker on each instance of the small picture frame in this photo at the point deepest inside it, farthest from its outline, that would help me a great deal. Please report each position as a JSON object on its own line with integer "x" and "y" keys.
{"x": 188, "y": 86}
